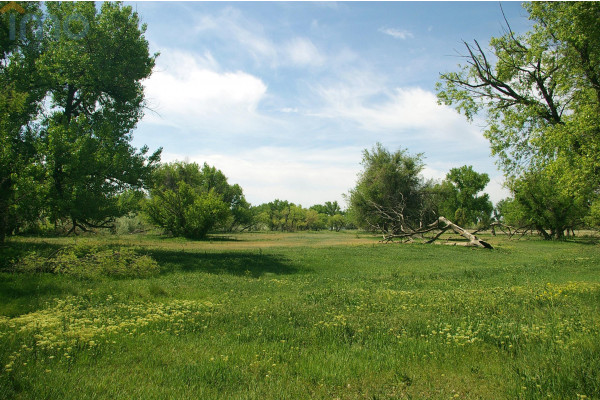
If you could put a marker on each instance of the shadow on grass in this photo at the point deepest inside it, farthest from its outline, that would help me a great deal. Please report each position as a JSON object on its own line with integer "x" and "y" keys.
{"x": 12, "y": 251}
{"x": 221, "y": 237}
{"x": 233, "y": 263}
{"x": 24, "y": 293}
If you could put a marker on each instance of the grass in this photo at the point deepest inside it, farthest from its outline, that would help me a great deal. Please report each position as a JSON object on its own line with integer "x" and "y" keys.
{"x": 306, "y": 316}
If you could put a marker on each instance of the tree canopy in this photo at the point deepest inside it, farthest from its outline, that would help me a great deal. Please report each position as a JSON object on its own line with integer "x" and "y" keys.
{"x": 71, "y": 96}
{"x": 461, "y": 200}
{"x": 540, "y": 93}
{"x": 390, "y": 194}
{"x": 186, "y": 200}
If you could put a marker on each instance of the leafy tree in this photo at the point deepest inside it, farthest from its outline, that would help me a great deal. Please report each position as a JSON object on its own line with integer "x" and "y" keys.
{"x": 540, "y": 92}
{"x": 214, "y": 179}
{"x": 275, "y": 214}
{"x": 329, "y": 210}
{"x": 538, "y": 203}
{"x": 336, "y": 222}
{"x": 461, "y": 202}
{"x": 185, "y": 200}
{"x": 389, "y": 194}
{"x": 20, "y": 100}
{"x": 93, "y": 75}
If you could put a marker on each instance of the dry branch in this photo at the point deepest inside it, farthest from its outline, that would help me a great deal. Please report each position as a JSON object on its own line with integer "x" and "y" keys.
{"x": 441, "y": 225}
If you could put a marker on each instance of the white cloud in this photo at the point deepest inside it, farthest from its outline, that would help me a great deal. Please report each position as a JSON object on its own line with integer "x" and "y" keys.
{"x": 302, "y": 176}
{"x": 302, "y": 52}
{"x": 188, "y": 90}
{"x": 250, "y": 36}
{"x": 230, "y": 24}
{"x": 402, "y": 110}
{"x": 396, "y": 33}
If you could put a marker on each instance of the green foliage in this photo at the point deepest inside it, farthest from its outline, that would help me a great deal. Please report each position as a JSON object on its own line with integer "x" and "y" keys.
{"x": 20, "y": 99}
{"x": 390, "y": 192}
{"x": 541, "y": 97}
{"x": 69, "y": 101}
{"x": 539, "y": 203}
{"x": 460, "y": 201}
{"x": 86, "y": 261}
{"x": 131, "y": 223}
{"x": 188, "y": 201}
{"x": 336, "y": 222}
{"x": 281, "y": 215}
{"x": 95, "y": 105}
{"x": 593, "y": 219}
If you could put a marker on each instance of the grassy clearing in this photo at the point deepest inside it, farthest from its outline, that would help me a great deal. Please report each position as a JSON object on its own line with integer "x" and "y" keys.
{"x": 311, "y": 315}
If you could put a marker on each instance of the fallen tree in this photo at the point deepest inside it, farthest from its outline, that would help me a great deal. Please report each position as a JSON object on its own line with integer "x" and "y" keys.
{"x": 439, "y": 227}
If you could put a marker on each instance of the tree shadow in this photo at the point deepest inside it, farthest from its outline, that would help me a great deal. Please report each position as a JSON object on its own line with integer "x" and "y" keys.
{"x": 221, "y": 237}
{"x": 24, "y": 293}
{"x": 233, "y": 263}
{"x": 12, "y": 251}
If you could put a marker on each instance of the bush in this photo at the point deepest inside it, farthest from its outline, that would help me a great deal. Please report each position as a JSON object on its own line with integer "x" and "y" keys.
{"x": 131, "y": 223}
{"x": 90, "y": 262}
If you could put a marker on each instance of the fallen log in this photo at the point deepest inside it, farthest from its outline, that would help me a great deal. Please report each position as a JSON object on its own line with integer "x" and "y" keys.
{"x": 441, "y": 225}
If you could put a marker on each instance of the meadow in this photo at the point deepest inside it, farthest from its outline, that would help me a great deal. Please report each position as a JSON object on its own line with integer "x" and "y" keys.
{"x": 299, "y": 316}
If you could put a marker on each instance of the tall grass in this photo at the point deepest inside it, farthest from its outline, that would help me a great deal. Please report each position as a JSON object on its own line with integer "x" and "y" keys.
{"x": 298, "y": 316}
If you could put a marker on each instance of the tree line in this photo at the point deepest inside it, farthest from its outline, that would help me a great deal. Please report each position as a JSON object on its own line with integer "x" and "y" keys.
{"x": 70, "y": 100}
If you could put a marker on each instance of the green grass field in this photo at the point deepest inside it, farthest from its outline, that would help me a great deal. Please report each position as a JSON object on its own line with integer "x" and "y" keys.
{"x": 306, "y": 316}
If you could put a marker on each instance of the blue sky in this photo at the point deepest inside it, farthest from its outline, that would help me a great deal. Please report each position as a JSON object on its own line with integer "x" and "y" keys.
{"x": 283, "y": 97}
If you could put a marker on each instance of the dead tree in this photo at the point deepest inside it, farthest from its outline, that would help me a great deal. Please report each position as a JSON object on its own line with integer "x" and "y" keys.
{"x": 440, "y": 226}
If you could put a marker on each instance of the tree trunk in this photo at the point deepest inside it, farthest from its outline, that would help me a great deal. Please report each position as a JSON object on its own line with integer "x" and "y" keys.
{"x": 473, "y": 240}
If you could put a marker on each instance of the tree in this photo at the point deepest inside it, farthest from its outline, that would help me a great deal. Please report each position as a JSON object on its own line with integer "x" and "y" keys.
{"x": 461, "y": 201}
{"x": 20, "y": 101}
{"x": 541, "y": 94}
{"x": 389, "y": 194}
{"x": 93, "y": 75}
{"x": 336, "y": 222}
{"x": 332, "y": 214}
{"x": 538, "y": 203}
{"x": 186, "y": 200}
{"x": 233, "y": 195}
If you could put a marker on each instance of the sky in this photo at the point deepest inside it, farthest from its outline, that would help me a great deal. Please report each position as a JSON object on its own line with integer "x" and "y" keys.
{"x": 284, "y": 97}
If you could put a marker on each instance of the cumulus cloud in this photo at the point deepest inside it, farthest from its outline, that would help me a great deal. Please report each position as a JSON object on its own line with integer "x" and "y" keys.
{"x": 186, "y": 89}
{"x": 396, "y": 33}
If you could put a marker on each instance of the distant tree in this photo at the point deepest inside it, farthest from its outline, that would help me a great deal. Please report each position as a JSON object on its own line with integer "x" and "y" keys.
{"x": 329, "y": 210}
{"x": 313, "y": 222}
{"x": 461, "y": 201}
{"x": 389, "y": 194}
{"x": 336, "y": 222}
{"x": 185, "y": 201}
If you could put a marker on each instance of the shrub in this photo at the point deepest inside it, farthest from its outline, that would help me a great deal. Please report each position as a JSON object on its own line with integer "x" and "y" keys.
{"x": 90, "y": 262}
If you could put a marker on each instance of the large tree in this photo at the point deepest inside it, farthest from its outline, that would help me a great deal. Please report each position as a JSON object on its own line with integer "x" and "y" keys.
{"x": 93, "y": 63}
{"x": 540, "y": 92}
{"x": 538, "y": 204}
{"x": 21, "y": 93}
